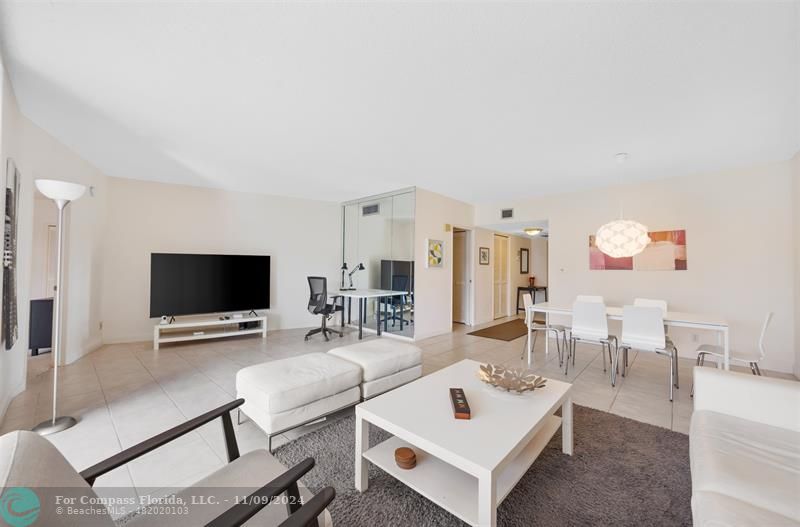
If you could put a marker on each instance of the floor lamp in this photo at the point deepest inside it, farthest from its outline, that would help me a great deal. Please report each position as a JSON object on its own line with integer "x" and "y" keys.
{"x": 62, "y": 192}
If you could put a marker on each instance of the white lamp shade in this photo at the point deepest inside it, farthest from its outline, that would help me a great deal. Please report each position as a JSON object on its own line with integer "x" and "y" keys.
{"x": 64, "y": 190}
{"x": 622, "y": 238}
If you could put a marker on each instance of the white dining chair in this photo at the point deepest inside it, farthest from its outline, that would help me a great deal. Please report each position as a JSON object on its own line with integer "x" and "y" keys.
{"x": 589, "y": 298}
{"x": 643, "y": 330}
{"x": 654, "y": 302}
{"x": 559, "y": 331}
{"x": 589, "y": 324}
{"x": 747, "y": 358}
{"x": 651, "y": 302}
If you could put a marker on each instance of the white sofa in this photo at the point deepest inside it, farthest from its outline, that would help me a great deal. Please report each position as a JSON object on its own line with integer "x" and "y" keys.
{"x": 744, "y": 444}
{"x": 287, "y": 393}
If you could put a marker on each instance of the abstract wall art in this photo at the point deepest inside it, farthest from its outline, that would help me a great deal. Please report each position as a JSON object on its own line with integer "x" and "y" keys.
{"x": 435, "y": 253}
{"x": 666, "y": 252}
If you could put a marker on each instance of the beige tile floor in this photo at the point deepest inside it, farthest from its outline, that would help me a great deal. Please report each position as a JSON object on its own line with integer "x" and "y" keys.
{"x": 125, "y": 393}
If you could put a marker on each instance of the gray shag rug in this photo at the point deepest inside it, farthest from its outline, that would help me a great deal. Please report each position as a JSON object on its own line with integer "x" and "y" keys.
{"x": 622, "y": 472}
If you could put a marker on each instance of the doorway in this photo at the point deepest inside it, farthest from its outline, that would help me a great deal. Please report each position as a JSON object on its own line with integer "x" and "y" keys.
{"x": 462, "y": 276}
{"x": 42, "y": 281}
{"x": 500, "y": 276}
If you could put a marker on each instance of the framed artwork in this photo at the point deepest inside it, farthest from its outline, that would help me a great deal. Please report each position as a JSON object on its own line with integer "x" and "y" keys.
{"x": 435, "y": 253}
{"x": 524, "y": 261}
{"x": 8, "y": 328}
{"x": 483, "y": 255}
{"x": 666, "y": 252}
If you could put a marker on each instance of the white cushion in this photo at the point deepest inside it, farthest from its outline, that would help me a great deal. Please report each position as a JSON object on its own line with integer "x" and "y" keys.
{"x": 380, "y": 357}
{"x": 755, "y": 463}
{"x": 285, "y": 384}
{"x": 750, "y": 397}
{"x": 273, "y": 423}
{"x": 384, "y": 384}
{"x": 710, "y": 509}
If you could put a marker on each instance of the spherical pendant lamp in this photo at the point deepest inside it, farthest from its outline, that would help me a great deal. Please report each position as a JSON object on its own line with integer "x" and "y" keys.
{"x": 622, "y": 238}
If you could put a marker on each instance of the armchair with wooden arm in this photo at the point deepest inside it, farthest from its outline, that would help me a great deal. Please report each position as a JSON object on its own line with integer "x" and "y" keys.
{"x": 248, "y": 485}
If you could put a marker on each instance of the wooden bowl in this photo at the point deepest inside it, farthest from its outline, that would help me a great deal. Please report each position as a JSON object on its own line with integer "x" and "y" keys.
{"x": 405, "y": 458}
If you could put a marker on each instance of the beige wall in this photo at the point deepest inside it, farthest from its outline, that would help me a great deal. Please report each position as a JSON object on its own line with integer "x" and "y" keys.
{"x": 303, "y": 237}
{"x": 38, "y": 155}
{"x": 13, "y": 363}
{"x": 539, "y": 257}
{"x": 45, "y": 157}
{"x": 796, "y": 221}
{"x": 433, "y": 287}
{"x": 740, "y": 250}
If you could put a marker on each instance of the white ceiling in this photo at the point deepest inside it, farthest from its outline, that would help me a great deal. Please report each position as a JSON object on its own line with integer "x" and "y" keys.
{"x": 518, "y": 228}
{"x": 482, "y": 101}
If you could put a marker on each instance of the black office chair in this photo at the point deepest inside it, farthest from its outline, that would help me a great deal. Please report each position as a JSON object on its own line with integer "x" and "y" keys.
{"x": 400, "y": 282}
{"x": 318, "y": 305}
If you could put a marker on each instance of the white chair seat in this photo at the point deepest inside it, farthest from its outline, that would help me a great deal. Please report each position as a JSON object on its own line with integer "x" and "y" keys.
{"x": 554, "y": 327}
{"x": 591, "y": 336}
{"x": 236, "y": 479}
{"x": 719, "y": 351}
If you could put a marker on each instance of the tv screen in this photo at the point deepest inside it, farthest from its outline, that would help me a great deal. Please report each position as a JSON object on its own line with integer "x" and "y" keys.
{"x": 191, "y": 284}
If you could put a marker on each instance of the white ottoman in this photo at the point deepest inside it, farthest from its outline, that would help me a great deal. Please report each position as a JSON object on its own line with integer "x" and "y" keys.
{"x": 385, "y": 364}
{"x": 284, "y": 394}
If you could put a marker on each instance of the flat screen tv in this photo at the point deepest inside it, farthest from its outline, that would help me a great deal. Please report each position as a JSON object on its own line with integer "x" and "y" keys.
{"x": 192, "y": 284}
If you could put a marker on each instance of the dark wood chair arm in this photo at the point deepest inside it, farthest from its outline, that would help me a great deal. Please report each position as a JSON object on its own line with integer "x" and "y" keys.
{"x": 148, "y": 445}
{"x": 241, "y": 512}
{"x": 310, "y": 511}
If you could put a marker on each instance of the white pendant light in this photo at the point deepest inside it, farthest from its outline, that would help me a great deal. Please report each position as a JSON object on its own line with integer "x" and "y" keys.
{"x": 622, "y": 238}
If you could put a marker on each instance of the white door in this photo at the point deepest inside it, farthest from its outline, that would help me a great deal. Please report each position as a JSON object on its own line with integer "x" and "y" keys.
{"x": 50, "y": 271}
{"x": 460, "y": 279}
{"x": 500, "y": 276}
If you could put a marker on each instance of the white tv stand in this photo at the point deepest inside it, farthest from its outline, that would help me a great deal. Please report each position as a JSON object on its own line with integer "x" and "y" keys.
{"x": 201, "y": 329}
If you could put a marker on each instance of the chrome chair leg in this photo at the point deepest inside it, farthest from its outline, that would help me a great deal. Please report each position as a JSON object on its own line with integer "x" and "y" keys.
{"x": 603, "y": 353}
{"x": 558, "y": 343}
{"x": 671, "y": 379}
{"x": 753, "y": 368}
{"x": 569, "y": 353}
{"x": 525, "y": 345}
{"x": 574, "y": 350}
{"x": 758, "y": 370}
{"x": 624, "y": 361}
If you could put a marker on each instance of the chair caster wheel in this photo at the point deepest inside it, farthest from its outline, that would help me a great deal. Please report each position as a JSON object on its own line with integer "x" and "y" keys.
{"x": 306, "y": 339}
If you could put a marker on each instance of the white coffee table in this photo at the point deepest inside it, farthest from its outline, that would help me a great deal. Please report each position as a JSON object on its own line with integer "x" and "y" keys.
{"x": 467, "y": 467}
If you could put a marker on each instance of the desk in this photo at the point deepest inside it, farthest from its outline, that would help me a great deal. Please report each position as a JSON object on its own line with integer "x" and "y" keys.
{"x": 672, "y": 318}
{"x": 363, "y": 295}
{"x": 532, "y": 290}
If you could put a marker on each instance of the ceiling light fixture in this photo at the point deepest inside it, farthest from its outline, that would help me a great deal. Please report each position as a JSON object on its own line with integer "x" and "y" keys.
{"x": 622, "y": 238}
{"x": 533, "y": 231}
